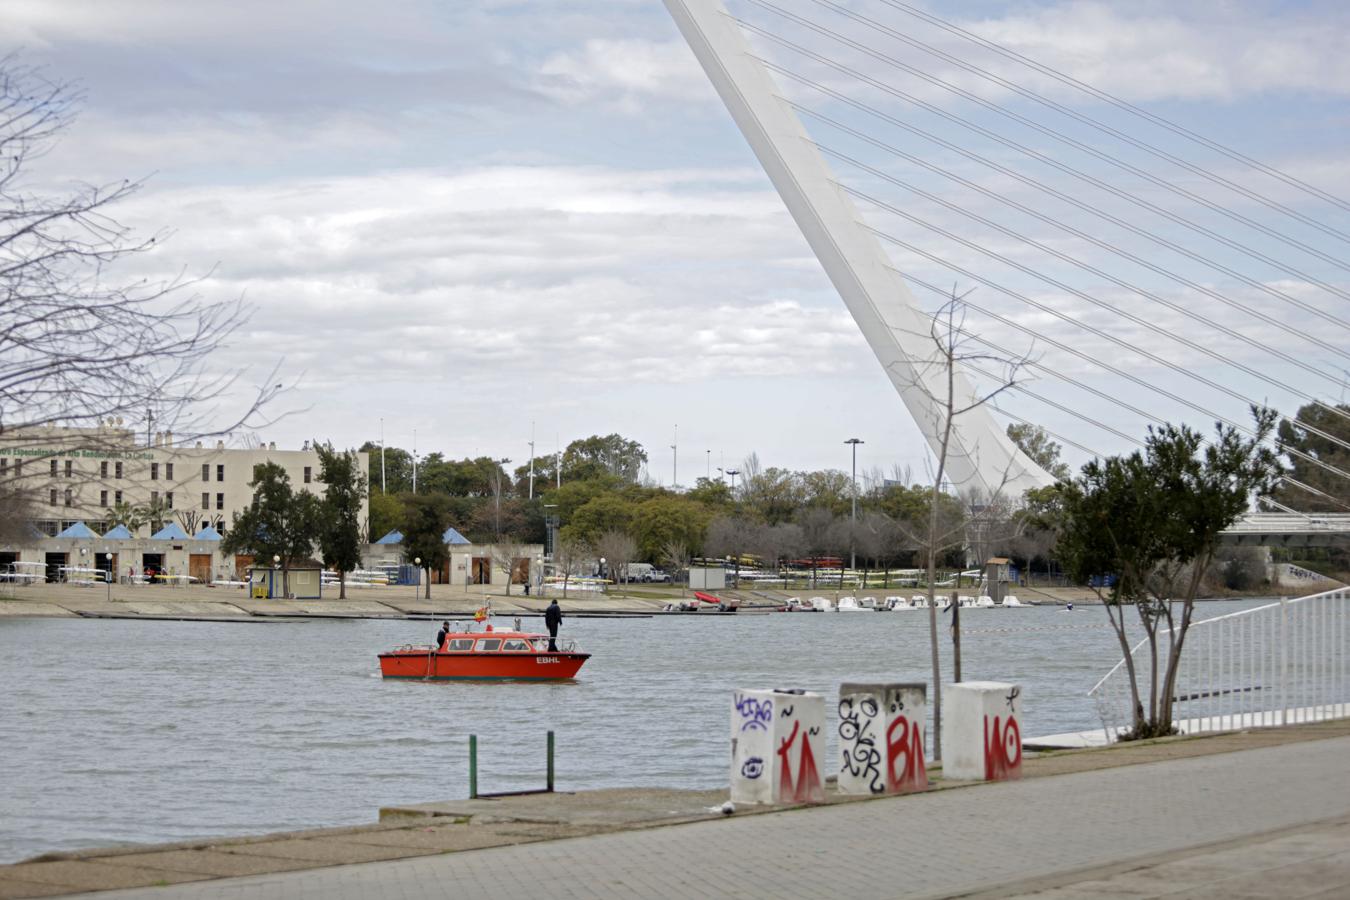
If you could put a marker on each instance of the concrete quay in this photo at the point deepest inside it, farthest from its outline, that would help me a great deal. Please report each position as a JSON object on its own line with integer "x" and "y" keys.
{"x": 1260, "y": 813}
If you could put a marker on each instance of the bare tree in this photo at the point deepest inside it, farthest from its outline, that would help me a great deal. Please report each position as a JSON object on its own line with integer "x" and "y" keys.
{"x": 80, "y": 352}
{"x": 729, "y": 537}
{"x": 675, "y": 556}
{"x": 569, "y": 556}
{"x": 619, "y": 549}
{"x": 190, "y": 519}
{"x": 505, "y": 555}
{"x": 952, "y": 353}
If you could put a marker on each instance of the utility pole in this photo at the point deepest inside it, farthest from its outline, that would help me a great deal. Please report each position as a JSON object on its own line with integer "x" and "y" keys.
{"x": 853, "y": 516}
{"x": 675, "y": 460}
{"x": 531, "y": 459}
{"x": 707, "y": 476}
{"x": 557, "y": 458}
{"x": 414, "y": 460}
{"x": 733, "y": 473}
{"x": 381, "y": 454}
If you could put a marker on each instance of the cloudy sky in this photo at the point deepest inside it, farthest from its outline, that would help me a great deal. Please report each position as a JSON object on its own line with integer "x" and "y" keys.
{"x": 465, "y": 218}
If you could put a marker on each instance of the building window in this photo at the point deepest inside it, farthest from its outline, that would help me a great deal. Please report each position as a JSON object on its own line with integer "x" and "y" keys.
{"x": 53, "y": 496}
{"x": 154, "y": 497}
{"x": 168, "y": 471}
{"x": 117, "y": 498}
{"x": 4, "y": 465}
{"x": 69, "y": 498}
{"x": 103, "y": 469}
{"x": 70, "y": 467}
{"x": 168, "y": 500}
{"x": 102, "y": 498}
{"x": 18, "y": 468}
{"x": 206, "y": 501}
{"x": 220, "y": 473}
{"x": 206, "y": 471}
{"x": 307, "y": 474}
{"x": 53, "y": 468}
{"x": 119, "y": 470}
{"x": 220, "y": 501}
{"x": 154, "y": 471}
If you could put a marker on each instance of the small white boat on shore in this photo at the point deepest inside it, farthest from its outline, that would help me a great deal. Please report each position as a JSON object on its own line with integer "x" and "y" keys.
{"x": 822, "y": 603}
{"x": 850, "y": 604}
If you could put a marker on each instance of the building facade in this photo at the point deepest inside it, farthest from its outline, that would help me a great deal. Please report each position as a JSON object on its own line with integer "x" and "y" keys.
{"x": 95, "y": 475}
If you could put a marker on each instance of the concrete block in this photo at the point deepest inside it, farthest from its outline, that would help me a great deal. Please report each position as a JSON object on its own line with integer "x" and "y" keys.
{"x": 881, "y": 737}
{"x": 982, "y": 731}
{"x": 776, "y": 738}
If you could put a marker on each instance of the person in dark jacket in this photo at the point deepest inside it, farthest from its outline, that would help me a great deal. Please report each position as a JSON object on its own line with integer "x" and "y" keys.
{"x": 441, "y": 635}
{"x": 553, "y": 618}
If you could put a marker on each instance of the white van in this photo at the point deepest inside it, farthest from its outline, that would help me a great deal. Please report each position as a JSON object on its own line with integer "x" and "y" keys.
{"x": 646, "y": 572}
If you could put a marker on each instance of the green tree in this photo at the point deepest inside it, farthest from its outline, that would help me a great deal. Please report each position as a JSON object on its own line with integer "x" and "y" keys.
{"x": 339, "y": 527}
{"x": 609, "y": 455}
{"x": 1035, "y": 443}
{"x": 1153, "y": 519}
{"x": 397, "y": 469}
{"x": 1315, "y": 460}
{"x": 773, "y": 495}
{"x": 386, "y": 514}
{"x": 660, "y": 522}
{"x": 425, "y": 519}
{"x": 279, "y": 522}
{"x": 608, "y": 512}
{"x": 713, "y": 493}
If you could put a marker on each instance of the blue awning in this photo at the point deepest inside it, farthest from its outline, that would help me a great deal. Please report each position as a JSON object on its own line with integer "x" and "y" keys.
{"x": 170, "y": 532}
{"x": 393, "y": 537}
{"x": 452, "y": 536}
{"x": 119, "y": 533}
{"x": 78, "y": 530}
{"x": 207, "y": 534}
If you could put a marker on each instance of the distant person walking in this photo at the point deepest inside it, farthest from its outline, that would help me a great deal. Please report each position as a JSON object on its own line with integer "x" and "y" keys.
{"x": 553, "y": 618}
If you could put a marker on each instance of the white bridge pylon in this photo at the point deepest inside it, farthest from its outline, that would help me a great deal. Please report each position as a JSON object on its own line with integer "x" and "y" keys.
{"x": 980, "y": 455}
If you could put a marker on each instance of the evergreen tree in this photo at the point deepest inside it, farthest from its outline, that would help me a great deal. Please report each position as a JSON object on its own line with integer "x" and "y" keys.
{"x": 279, "y": 522}
{"x": 340, "y": 511}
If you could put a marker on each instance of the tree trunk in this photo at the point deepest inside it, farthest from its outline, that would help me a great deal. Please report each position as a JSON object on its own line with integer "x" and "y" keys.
{"x": 285, "y": 580}
{"x": 342, "y": 585}
{"x": 428, "y": 584}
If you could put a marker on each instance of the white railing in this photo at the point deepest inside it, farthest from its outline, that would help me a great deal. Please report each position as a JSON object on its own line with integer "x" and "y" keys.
{"x": 1278, "y": 664}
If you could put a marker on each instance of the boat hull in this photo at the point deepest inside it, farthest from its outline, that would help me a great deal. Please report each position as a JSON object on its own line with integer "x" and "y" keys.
{"x": 424, "y": 665}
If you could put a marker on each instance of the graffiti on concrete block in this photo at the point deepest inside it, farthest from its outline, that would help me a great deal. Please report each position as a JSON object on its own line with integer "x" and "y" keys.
{"x": 857, "y": 741}
{"x": 1002, "y": 748}
{"x": 752, "y": 768}
{"x": 755, "y": 713}
{"x": 806, "y": 786}
{"x": 905, "y": 769}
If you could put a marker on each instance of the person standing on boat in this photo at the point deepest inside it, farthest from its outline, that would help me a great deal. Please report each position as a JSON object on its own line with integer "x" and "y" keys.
{"x": 553, "y": 618}
{"x": 441, "y": 635}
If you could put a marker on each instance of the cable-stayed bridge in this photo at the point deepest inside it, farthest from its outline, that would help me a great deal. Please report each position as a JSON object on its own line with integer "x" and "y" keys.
{"x": 1142, "y": 271}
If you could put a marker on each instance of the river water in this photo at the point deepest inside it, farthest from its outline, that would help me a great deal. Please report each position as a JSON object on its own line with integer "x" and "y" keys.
{"x": 126, "y": 731}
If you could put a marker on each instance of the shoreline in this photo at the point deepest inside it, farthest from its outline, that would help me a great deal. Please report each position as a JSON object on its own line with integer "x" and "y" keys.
{"x": 200, "y": 603}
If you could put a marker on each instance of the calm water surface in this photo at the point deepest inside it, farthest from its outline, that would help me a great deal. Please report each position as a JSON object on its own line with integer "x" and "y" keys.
{"x": 132, "y": 731}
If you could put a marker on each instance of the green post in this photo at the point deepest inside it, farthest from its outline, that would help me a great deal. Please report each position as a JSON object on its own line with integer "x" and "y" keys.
{"x": 473, "y": 767}
{"x": 550, "y": 762}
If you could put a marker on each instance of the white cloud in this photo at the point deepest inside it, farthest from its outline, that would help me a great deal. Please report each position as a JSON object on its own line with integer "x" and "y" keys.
{"x": 624, "y": 73}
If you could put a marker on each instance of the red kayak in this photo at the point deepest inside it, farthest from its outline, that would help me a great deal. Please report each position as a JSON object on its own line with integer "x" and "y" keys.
{"x": 486, "y": 655}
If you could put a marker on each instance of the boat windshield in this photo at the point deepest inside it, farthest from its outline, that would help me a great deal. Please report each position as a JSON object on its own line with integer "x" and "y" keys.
{"x": 460, "y": 644}
{"x": 488, "y": 645}
{"x": 516, "y": 645}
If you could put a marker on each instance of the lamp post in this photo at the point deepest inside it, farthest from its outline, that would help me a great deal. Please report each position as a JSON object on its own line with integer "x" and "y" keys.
{"x": 675, "y": 460}
{"x": 417, "y": 562}
{"x": 707, "y": 475}
{"x": 853, "y": 515}
{"x": 108, "y": 575}
{"x": 532, "y": 460}
{"x": 276, "y": 563}
{"x": 733, "y": 473}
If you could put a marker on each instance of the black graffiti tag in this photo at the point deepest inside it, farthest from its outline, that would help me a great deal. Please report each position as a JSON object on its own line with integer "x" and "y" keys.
{"x": 855, "y": 728}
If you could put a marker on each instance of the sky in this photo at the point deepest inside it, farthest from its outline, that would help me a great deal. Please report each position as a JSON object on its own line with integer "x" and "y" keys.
{"x": 491, "y": 221}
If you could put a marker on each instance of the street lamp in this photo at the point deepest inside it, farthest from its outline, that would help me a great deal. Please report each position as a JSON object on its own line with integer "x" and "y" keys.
{"x": 417, "y": 562}
{"x": 853, "y": 516}
{"x": 733, "y": 473}
{"x": 108, "y": 575}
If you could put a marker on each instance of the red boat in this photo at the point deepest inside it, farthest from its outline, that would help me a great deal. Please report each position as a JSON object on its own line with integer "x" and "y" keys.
{"x": 490, "y": 655}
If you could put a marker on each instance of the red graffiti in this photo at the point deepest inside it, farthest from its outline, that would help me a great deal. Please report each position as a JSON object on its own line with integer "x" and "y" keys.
{"x": 1002, "y": 750}
{"x": 807, "y": 788}
{"x": 905, "y": 770}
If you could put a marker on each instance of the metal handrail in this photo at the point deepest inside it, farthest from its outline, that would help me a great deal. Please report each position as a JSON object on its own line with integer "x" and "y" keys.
{"x": 1297, "y": 657}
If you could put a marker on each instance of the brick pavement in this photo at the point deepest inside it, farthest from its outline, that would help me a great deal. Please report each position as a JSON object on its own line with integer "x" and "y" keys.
{"x": 940, "y": 844}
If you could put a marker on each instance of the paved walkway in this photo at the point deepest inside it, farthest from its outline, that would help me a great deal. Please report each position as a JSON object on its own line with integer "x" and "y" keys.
{"x": 953, "y": 842}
